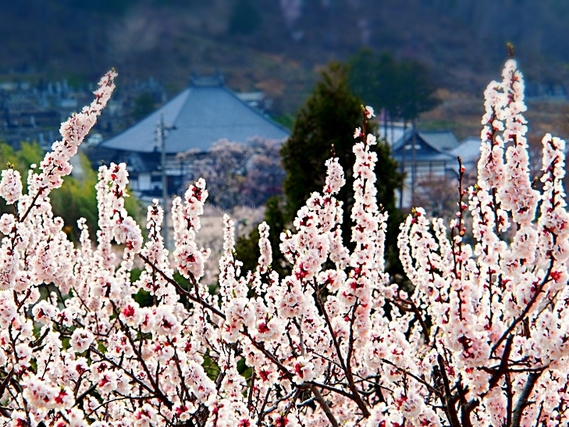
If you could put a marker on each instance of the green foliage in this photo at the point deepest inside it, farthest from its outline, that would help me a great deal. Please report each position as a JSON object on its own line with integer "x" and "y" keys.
{"x": 245, "y": 371}
{"x": 21, "y": 160}
{"x": 210, "y": 367}
{"x": 416, "y": 91}
{"x": 28, "y": 154}
{"x": 286, "y": 120}
{"x": 326, "y": 122}
{"x": 77, "y": 198}
{"x": 247, "y": 249}
{"x": 146, "y": 299}
{"x": 372, "y": 79}
{"x": 245, "y": 18}
{"x": 404, "y": 89}
{"x": 329, "y": 117}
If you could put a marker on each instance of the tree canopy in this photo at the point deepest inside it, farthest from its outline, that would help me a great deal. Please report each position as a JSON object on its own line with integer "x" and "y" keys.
{"x": 323, "y": 128}
{"x": 404, "y": 89}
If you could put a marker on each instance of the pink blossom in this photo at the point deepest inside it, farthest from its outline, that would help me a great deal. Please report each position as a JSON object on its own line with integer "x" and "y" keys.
{"x": 11, "y": 185}
{"x": 81, "y": 340}
{"x": 481, "y": 329}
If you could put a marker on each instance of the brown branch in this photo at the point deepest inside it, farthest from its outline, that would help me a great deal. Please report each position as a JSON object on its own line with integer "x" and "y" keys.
{"x": 259, "y": 346}
{"x": 502, "y": 369}
{"x": 415, "y": 377}
{"x": 461, "y": 209}
{"x": 324, "y": 406}
{"x": 466, "y": 408}
{"x": 261, "y": 412}
{"x": 355, "y": 394}
{"x": 6, "y": 381}
{"x": 523, "y": 399}
{"x": 83, "y": 395}
{"x": 32, "y": 204}
{"x": 158, "y": 393}
{"x": 116, "y": 365}
{"x": 154, "y": 381}
{"x": 509, "y": 398}
{"x": 448, "y": 399}
{"x": 179, "y": 369}
{"x": 118, "y": 399}
{"x": 413, "y": 308}
{"x": 525, "y": 311}
{"x": 333, "y": 389}
{"x": 194, "y": 298}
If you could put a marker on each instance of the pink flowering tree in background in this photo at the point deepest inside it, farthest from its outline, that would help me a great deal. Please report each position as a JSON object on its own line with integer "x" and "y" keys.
{"x": 481, "y": 340}
{"x": 238, "y": 174}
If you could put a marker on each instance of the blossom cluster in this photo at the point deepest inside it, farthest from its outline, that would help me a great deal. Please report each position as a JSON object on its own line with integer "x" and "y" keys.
{"x": 478, "y": 337}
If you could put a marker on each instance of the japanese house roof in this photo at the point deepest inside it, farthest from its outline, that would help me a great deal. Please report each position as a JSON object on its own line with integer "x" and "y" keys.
{"x": 205, "y": 112}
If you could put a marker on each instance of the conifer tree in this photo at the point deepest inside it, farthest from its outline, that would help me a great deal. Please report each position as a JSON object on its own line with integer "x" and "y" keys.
{"x": 325, "y": 126}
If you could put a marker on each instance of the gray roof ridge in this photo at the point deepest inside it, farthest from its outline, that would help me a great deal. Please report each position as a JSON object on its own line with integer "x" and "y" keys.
{"x": 469, "y": 138}
{"x": 213, "y": 80}
{"x": 420, "y": 133}
{"x": 424, "y": 135}
{"x": 156, "y": 113}
{"x": 401, "y": 140}
{"x": 435, "y": 131}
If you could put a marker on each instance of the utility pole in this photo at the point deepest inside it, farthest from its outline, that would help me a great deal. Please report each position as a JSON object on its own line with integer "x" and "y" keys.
{"x": 161, "y": 133}
{"x": 404, "y": 148}
{"x": 414, "y": 163}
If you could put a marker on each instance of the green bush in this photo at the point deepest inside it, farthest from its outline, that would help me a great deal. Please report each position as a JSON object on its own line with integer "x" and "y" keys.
{"x": 77, "y": 198}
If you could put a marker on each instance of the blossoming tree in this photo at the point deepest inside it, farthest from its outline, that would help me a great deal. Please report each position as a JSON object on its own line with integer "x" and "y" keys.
{"x": 481, "y": 340}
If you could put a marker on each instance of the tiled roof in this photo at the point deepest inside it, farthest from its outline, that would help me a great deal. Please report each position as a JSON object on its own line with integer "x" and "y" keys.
{"x": 202, "y": 114}
{"x": 442, "y": 141}
{"x": 468, "y": 149}
{"x": 469, "y": 152}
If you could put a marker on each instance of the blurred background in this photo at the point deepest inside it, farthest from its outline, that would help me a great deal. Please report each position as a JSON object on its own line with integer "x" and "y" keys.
{"x": 271, "y": 53}
{"x": 278, "y": 46}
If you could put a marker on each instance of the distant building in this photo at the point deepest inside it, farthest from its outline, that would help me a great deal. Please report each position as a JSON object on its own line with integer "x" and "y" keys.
{"x": 539, "y": 91}
{"x": 431, "y": 155}
{"x": 34, "y": 112}
{"x": 390, "y": 131}
{"x": 469, "y": 152}
{"x": 202, "y": 114}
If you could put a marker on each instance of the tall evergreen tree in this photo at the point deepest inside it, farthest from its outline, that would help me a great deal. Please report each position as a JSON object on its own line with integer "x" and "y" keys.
{"x": 416, "y": 90}
{"x": 325, "y": 125}
{"x": 327, "y": 119}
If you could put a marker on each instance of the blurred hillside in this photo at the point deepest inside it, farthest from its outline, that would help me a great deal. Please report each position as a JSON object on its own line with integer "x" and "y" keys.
{"x": 278, "y": 46}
